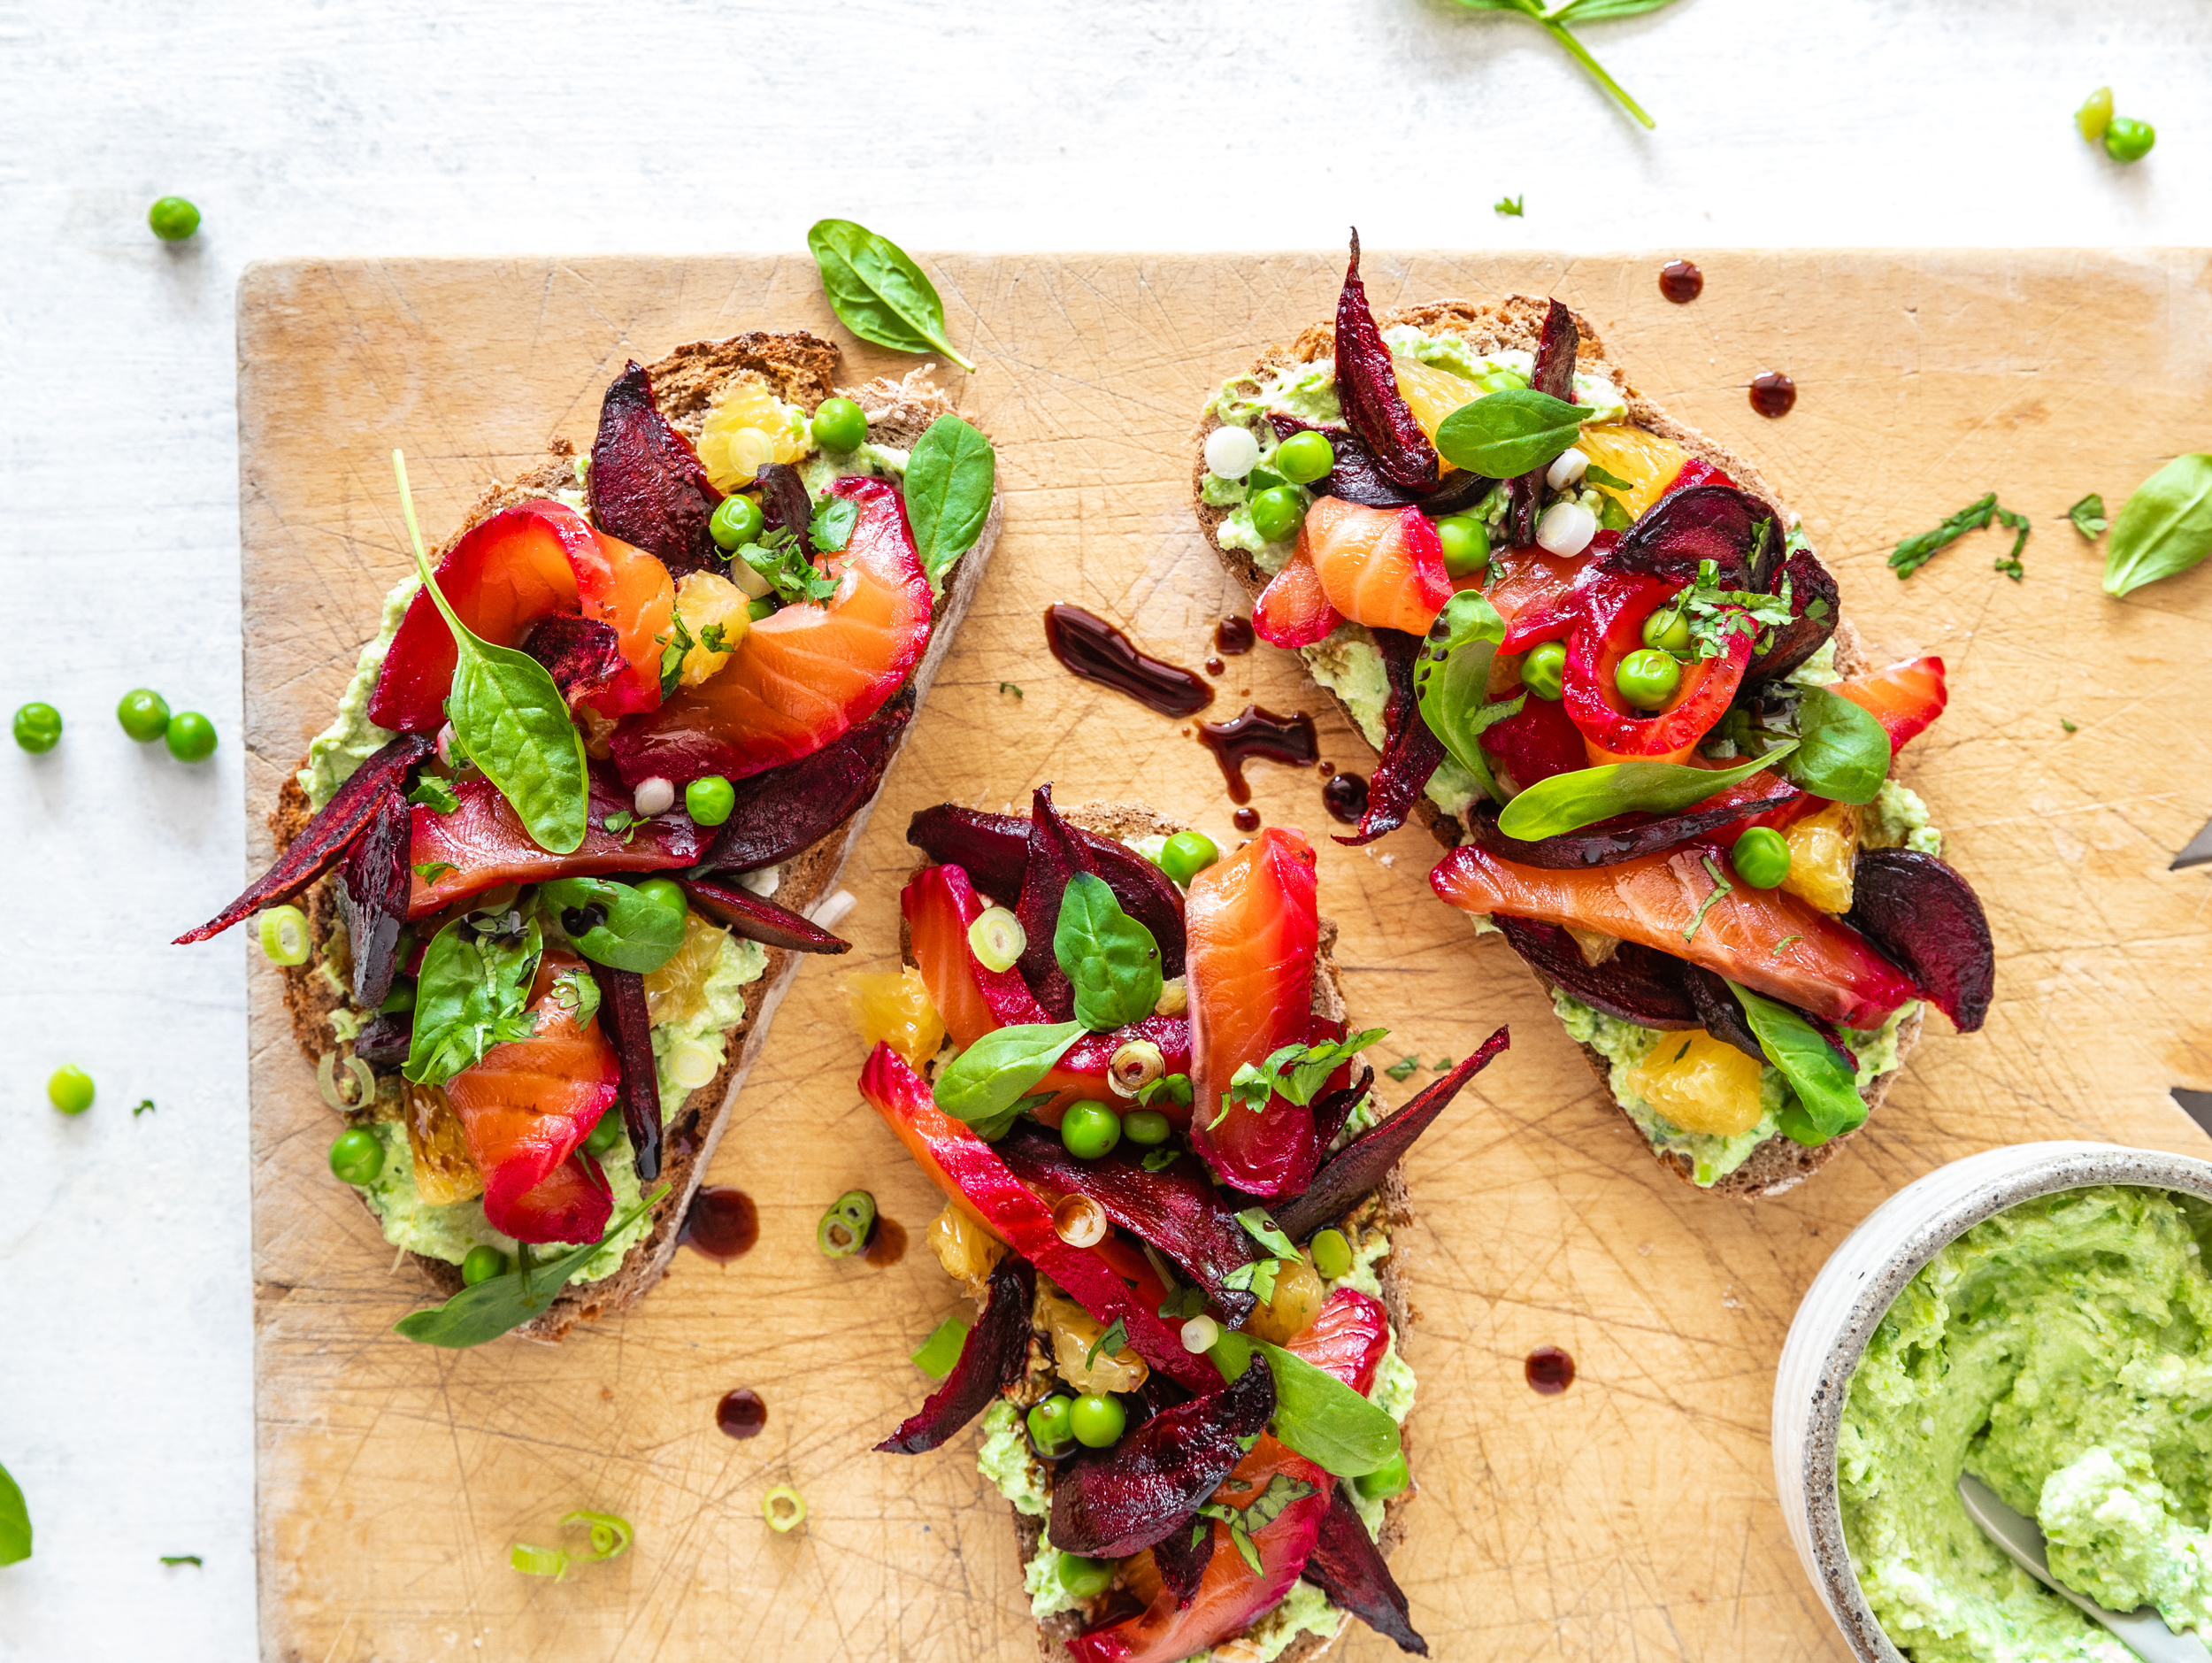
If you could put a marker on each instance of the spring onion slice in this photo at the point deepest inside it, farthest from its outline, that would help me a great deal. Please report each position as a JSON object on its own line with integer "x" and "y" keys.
{"x": 784, "y": 1508}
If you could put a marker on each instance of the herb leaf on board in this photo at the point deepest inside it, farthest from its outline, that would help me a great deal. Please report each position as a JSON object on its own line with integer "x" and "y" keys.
{"x": 2088, "y": 517}
{"x": 1914, "y": 552}
{"x": 879, "y": 293}
{"x": 2165, "y": 527}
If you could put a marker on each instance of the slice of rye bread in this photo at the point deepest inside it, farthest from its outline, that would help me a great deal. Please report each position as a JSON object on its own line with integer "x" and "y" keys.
{"x": 1387, "y": 1206}
{"x": 1517, "y": 322}
{"x": 686, "y": 384}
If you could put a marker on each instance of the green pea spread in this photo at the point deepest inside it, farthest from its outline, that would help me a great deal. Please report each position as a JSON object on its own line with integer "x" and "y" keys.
{"x": 2062, "y": 1352}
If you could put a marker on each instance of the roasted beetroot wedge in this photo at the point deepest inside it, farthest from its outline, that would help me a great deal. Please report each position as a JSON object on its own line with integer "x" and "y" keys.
{"x": 991, "y": 1360}
{"x": 1627, "y": 837}
{"x": 582, "y": 654}
{"x": 648, "y": 485}
{"x": 1056, "y": 856}
{"x": 1180, "y": 1559}
{"x": 1718, "y": 1014}
{"x": 372, "y": 886}
{"x": 626, "y": 1016}
{"x": 1367, "y": 388}
{"x": 784, "y": 503}
{"x": 325, "y": 839}
{"x": 1410, "y": 753}
{"x": 1637, "y": 983}
{"x": 792, "y": 808}
{"x": 1815, "y": 605}
{"x": 1927, "y": 916}
{"x": 1358, "y": 478}
{"x": 1732, "y": 528}
{"x": 481, "y": 845}
{"x": 759, "y": 918}
{"x": 1554, "y": 373}
{"x": 1109, "y": 1504}
{"x": 1347, "y": 1566}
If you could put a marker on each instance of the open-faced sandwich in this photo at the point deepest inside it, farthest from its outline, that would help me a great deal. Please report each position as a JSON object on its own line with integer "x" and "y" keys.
{"x": 586, "y": 798}
{"x": 1174, "y": 1202}
{"x": 1591, "y": 643}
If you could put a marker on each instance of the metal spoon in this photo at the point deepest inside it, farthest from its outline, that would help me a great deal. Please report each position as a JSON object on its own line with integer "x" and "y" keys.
{"x": 2143, "y": 1632}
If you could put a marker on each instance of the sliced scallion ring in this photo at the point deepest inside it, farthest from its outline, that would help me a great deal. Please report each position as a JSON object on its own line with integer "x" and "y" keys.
{"x": 364, "y": 1078}
{"x": 784, "y": 1508}
{"x": 1134, "y": 1067}
{"x": 997, "y": 938}
{"x": 845, "y": 1228}
{"x": 538, "y": 1561}
{"x": 610, "y": 1533}
{"x": 284, "y": 936}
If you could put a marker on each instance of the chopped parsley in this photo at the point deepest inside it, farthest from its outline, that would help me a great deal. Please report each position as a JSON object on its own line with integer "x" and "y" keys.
{"x": 1510, "y": 206}
{"x": 2088, "y": 517}
{"x": 780, "y": 559}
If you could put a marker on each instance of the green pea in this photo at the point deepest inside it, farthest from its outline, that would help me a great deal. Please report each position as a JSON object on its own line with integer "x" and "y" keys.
{"x": 1761, "y": 856}
{"x": 38, "y": 728}
{"x": 1386, "y": 1480}
{"x": 1186, "y": 854}
{"x": 173, "y": 218}
{"x": 606, "y": 1135}
{"x": 763, "y": 608}
{"x": 356, "y": 1156}
{"x": 709, "y": 801}
{"x": 402, "y": 998}
{"x": 1051, "y": 1430}
{"x": 144, "y": 715}
{"x": 1097, "y": 1420}
{"x": 1466, "y": 541}
{"x": 665, "y": 892}
{"x": 1544, "y": 670}
{"x": 1277, "y": 512}
{"x": 1305, "y": 458}
{"x": 735, "y": 522}
{"x": 1332, "y": 1254}
{"x": 2095, "y": 115}
{"x": 191, "y": 736}
{"x": 1147, "y": 1126}
{"x": 484, "y": 1261}
{"x": 69, "y": 1089}
{"x": 1668, "y": 629}
{"x": 1648, "y": 678}
{"x": 2127, "y": 140}
{"x": 840, "y": 424}
{"x": 1089, "y": 1130}
{"x": 1086, "y": 1578}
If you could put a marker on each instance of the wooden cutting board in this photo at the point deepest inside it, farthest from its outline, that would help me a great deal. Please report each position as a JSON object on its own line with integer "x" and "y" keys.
{"x": 1632, "y": 1516}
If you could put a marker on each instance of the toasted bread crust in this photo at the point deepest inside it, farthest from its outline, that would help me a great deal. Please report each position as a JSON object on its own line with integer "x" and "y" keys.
{"x": 799, "y": 367}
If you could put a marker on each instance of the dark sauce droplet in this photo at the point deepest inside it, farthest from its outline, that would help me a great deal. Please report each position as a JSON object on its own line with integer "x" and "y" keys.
{"x": 1681, "y": 281}
{"x": 1087, "y": 646}
{"x": 1215, "y": 666}
{"x": 1247, "y": 819}
{"x": 887, "y": 1244}
{"x": 1325, "y": 767}
{"x": 741, "y": 1414}
{"x": 1345, "y": 797}
{"x": 1550, "y": 1371}
{"x": 722, "y": 1223}
{"x": 1233, "y": 635}
{"x": 1772, "y": 393}
{"x": 1258, "y": 733}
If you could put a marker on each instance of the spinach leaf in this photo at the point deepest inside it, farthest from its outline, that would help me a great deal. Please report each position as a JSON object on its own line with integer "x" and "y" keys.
{"x": 509, "y": 718}
{"x": 1451, "y": 681}
{"x": 629, "y": 930}
{"x": 2164, "y": 528}
{"x": 950, "y": 474}
{"x": 2088, "y": 517}
{"x": 473, "y": 993}
{"x": 506, "y": 1303}
{"x": 1827, "y": 1091}
{"x": 877, "y": 291}
{"x": 986, "y": 1082}
{"x": 832, "y": 527}
{"x": 1556, "y": 21}
{"x": 15, "y": 1522}
{"x": 1503, "y": 434}
{"x": 1568, "y": 802}
{"x": 1109, "y": 958}
{"x": 1842, "y": 750}
{"x": 1316, "y": 1415}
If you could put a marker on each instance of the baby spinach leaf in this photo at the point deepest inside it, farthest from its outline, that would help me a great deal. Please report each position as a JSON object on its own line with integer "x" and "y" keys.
{"x": 1316, "y": 1415}
{"x": 1109, "y": 958}
{"x": 1842, "y": 750}
{"x": 987, "y": 1080}
{"x": 1451, "y": 680}
{"x": 879, "y": 293}
{"x": 15, "y": 1522}
{"x": 1503, "y": 434}
{"x": 1568, "y": 802}
{"x": 509, "y": 718}
{"x": 950, "y": 474}
{"x": 1827, "y": 1090}
{"x": 832, "y": 526}
{"x": 630, "y": 931}
{"x": 502, "y": 1304}
{"x": 2164, "y": 528}
{"x": 2088, "y": 517}
{"x": 473, "y": 993}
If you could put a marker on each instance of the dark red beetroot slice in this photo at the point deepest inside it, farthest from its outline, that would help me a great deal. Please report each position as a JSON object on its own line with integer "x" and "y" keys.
{"x": 1554, "y": 373}
{"x": 1814, "y": 605}
{"x": 1084, "y": 1069}
{"x": 484, "y": 845}
{"x": 1719, "y": 1012}
{"x": 372, "y": 886}
{"x": 993, "y": 851}
{"x": 993, "y": 1358}
{"x": 384, "y": 1041}
{"x": 1109, "y": 1503}
{"x": 1357, "y": 478}
{"x": 1182, "y": 1563}
{"x": 792, "y": 808}
{"x": 1360, "y": 1165}
{"x": 1925, "y": 916}
{"x": 1627, "y": 837}
{"x": 1637, "y": 984}
{"x": 626, "y": 1018}
{"x": 1367, "y": 388}
{"x": 1177, "y": 1209}
{"x": 1333, "y": 1108}
{"x": 1410, "y": 751}
{"x": 1056, "y": 855}
{"x": 1706, "y": 522}
{"x": 784, "y": 503}
{"x": 1347, "y": 1566}
{"x": 647, "y": 484}
{"x": 1530, "y": 747}
{"x": 760, "y": 920}
{"x": 582, "y": 654}
{"x": 324, "y": 838}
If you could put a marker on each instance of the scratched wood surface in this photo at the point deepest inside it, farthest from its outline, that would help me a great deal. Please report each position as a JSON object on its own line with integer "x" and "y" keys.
{"x": 1632, "y": 1516}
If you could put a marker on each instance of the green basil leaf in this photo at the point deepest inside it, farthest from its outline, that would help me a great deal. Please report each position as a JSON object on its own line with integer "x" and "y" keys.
{"x": 2165, "y": 527}
{"x": 1568, "y": 802}
{"x": 988, "y": 1080}
{"x": 1316, "y": 1415}
{"x": 503, "y": 1304}
{"x": 1111, "y": 958}
{"x": 832, "y": 527}
{"x": 473, "y": 993}
{"x": 1265, "y": 1508}
{"x": 950, "y": 474}
{"x": 1827, "y": 1090}
{"x": 879, "y": 293}
{"x": 1451, "y": 681}
{"x": 15, "y": 1522}
{"x": 1843, "y": 750}
{"x": 1501, "y": 435}
{"x": 638, "y": 934}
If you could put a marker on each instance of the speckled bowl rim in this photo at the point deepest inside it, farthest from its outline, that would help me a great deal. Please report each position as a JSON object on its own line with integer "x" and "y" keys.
{"x": 2064, "y": 1166}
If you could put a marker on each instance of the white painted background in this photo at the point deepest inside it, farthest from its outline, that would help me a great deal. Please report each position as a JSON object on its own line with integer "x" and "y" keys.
{"x": 331, "y": 127}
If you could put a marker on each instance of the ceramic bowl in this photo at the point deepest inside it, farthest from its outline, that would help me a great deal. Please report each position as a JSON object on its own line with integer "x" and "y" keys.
{"x": 1852, "y": 1294}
